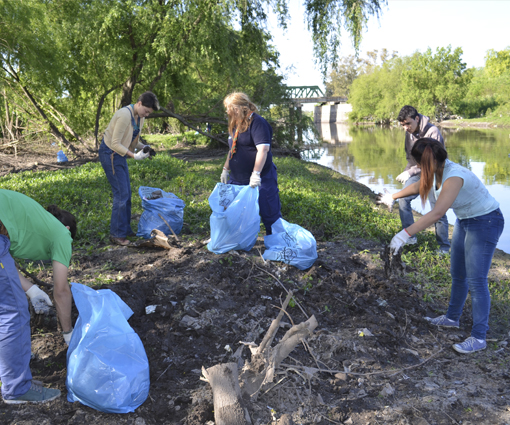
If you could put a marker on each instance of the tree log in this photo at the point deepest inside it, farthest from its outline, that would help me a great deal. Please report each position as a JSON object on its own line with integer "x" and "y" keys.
{"x": 229, "y": 407}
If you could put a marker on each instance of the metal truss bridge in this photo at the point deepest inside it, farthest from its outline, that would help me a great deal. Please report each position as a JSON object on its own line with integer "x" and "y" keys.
{"x": 311, "y": 94}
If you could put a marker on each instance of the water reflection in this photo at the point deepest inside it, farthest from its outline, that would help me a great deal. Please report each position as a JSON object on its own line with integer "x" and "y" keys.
{"x": 375, "y": 156}
{"x": 334, "y": 132}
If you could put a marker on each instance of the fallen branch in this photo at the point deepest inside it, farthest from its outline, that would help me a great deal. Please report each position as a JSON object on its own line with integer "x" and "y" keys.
{"x": 31, "y": 276}
{"x": 382, "y": 372}
{"x": 170, "y": 227}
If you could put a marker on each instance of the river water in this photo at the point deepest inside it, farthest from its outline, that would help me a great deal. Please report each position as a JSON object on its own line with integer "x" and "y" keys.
{"x": 375, "y": 156}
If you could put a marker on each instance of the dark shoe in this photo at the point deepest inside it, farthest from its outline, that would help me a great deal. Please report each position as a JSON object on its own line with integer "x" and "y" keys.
{"x": 36, "y": 394}
{"x": 120, "y": 241}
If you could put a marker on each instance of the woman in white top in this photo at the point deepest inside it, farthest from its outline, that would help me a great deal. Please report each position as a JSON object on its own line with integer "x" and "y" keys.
{"x": 476, "y": 233}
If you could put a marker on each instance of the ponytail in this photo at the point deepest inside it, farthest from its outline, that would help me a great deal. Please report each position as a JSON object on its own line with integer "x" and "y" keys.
{"x": 429, "y": 154}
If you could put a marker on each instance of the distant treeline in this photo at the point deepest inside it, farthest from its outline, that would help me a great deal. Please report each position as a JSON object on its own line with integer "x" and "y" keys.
{"x": 437, "y": 84}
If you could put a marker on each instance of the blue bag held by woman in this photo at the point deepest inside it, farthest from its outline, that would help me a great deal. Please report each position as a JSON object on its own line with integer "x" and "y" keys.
{"x": 290, "y": 244}
{"x": 155, "y": 202}
{"x": 107, "y": 367}
{"x": 235, "y": 220}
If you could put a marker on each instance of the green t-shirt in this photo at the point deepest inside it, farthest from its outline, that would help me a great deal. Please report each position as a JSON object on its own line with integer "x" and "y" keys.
{"x": 35, "y": 234}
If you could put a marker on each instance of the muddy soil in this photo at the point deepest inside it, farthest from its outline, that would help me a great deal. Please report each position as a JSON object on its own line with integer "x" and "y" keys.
{"x": 372, "y": 359}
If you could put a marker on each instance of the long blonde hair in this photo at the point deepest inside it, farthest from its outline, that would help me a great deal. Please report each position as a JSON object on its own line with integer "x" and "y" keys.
{"x": 242, "y": 107}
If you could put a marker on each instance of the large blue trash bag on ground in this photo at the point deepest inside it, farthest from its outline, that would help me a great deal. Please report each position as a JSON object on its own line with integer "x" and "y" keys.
{"x": 155, "y": 202}
{"x": 290, "y": 244}
{"x": 235, "y": 220}
{"x": 107, "y": 367}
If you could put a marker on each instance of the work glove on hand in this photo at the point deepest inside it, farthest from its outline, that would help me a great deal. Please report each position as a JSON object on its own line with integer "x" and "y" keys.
{"x": 255, "y": 179}
{"x": 39, "y": 300}
{"x": 386, "y": 199}
{"x": 67, "y": 336}
{"x": 141, "y": 154}
{"x": 224, "y": 175}
{"x": 403, "y": 177}
{"x": 398, "y": 241}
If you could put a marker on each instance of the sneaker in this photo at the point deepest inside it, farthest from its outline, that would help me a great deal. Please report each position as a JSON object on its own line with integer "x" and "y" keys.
{"x": 36, "y": 394}
{"x": 443, "y": 251}
{"x": 443, "y": 321}
{"x": 470, "y": 345}
{"x": 412, "y": 240}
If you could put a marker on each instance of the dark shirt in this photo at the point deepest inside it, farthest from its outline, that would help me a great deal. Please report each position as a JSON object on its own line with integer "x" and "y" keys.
{"x": 242, "y": 162}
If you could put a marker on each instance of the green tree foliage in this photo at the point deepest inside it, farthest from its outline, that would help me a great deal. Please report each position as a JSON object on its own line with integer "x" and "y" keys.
{"x": 489, "y": 92}
{"x": 65, "y": 60}
{"x": 436, "y": 83}
{"x": 374, "y": 94}
{"x": 497, "y": 63}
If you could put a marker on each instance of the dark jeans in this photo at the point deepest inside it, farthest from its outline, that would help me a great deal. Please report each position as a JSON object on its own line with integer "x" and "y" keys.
{"x": 118, "y": 177}
{"x": 473, "y": 244}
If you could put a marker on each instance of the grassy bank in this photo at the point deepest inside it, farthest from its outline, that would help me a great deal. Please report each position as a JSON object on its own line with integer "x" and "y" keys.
{"x": 330, "y": 205}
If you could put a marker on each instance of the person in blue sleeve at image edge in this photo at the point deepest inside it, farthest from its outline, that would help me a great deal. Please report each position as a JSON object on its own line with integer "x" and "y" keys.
{"x": 250, "y": 161}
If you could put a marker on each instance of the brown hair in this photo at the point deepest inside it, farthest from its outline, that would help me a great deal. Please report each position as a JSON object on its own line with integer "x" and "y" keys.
{"x": 242, "y": 107}
{"x": 149, "y": 100}
{"x": 65, "y": 217}
{"x": 429, "y": 154}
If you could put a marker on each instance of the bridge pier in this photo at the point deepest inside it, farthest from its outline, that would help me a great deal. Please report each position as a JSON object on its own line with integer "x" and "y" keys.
{"x": 333, "y": 112}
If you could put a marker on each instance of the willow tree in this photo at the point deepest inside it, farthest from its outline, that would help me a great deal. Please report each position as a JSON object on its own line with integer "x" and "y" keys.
{"x": 189, "y": 52}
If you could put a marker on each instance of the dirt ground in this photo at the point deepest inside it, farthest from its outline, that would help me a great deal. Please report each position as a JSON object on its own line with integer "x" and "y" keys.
{"x": 372, "y": 359}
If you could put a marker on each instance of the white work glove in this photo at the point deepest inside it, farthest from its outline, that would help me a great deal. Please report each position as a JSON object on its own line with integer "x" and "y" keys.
{"x": 386, "y": 199}
{"x": 39, "y": 300}
{"x": 403, "y": 177}
{"x": 224, "y": 175}
{"x": 141, "y": 154}
{"x": 255, "y": 179}
{"x": 398, "y": 241}
{"x": 67, "y": 336}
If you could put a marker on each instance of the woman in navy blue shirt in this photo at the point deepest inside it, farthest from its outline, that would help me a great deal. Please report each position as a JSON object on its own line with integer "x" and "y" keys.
{"x": 250, "y": 160}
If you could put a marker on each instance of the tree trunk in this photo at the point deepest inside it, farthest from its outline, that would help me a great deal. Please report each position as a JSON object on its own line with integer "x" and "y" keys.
{"x": 53, "y": 128}
{"x": 229, "y": 407}
{"x": 168, "y": 113}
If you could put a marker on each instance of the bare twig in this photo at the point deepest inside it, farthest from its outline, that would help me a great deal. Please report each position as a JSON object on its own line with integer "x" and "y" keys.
{"x": 170, "y": 227}
{"x": 383, "y": 372}
{"x": 31, "y": 276}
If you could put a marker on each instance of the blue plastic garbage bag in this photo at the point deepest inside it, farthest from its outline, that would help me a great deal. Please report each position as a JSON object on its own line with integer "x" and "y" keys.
{"x": 107, "y": 367}
{"x": 155, "y": 202}
{"x": 61, "y": 156}
{"x": 291, "y": 244}
{"x": 235, "y": 220}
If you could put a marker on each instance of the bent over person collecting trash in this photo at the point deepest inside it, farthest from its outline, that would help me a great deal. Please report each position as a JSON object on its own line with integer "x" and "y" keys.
{"x": 476, "y": 233}
{"x": 29, "y": 231}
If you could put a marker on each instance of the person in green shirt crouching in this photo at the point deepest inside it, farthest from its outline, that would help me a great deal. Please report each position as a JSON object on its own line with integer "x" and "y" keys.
{"x": 29, "y": 231}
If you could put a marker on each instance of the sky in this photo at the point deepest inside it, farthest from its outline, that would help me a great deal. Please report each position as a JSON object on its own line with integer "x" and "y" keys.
{"x": 405, "y": 26}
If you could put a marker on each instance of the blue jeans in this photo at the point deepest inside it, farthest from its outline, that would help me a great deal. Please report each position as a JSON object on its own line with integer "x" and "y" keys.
{"x": 14, "y": 328}
{"x": 473, "y": 244}
{"x": 269, "y": 198}
{"x": 407, "y": 219}
{"x": 118, "y": 177}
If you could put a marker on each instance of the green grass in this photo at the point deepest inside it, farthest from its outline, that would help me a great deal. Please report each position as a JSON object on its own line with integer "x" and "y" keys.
{"x": 328, "y": 204}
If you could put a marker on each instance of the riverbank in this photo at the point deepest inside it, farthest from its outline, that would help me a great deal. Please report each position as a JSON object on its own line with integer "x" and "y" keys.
{"x": 372, "y": 357}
